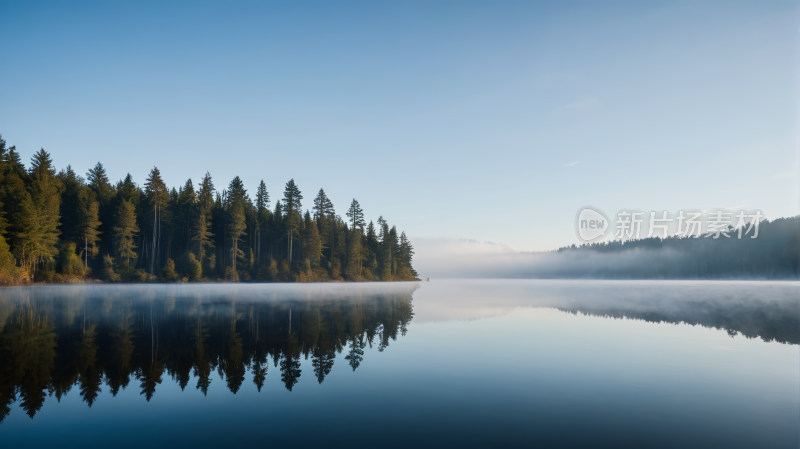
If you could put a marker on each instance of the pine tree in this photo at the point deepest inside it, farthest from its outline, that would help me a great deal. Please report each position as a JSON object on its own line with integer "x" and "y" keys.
{"x": 406, "y": 253}
{"x": 356, "y": 215}
{"x": 70, "y": 226}
{"x": 128, "y": 190}
{"x": 9, "y": 272}
{"x": 37, "y": 219}
{"x": 203, "y": 226}
{"x": 15, "y": 162}
{"x": 205, "y": 194}
{"x": 236, "y": 191}
{"x": 385, "y": 251}
{"x": 186, "y": 207}
{"x": 339, "y": 249}
{"x": 324, "y": 217}
{"x": 292, "y": 205}
{"x": 203, "y": 235}
{"x": 393, "y": 248}
{"x": 236, "y": 228}
{"x": 28, "y": 233}
{"x": 277, "y": 227}
{"x": 97, "y": 179}
{"x": 322, "y": 206}
{"x": 169, "y": 223}
{"x": 3, "y": 154}
{"x": 157, "y": 200}
{"x": 354, "y": 251}
{"x": 311, "y": 243}
{"x": 262, "y": 215}
{"x": 236, "y": 200}
{"x": 124, "y": 232}
{"x": 4, "y": 168}
{"x": 262, "y": 197}
{"x": 371, "y": 249}
{"x": 220, "y": 222}
{"x": 88, "y": 221}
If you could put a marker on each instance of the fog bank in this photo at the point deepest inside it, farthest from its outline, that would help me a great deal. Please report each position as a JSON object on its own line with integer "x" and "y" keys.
{"x": 644, "y": 259}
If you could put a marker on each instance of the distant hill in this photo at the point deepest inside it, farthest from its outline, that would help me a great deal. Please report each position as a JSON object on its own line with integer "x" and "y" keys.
{"x": 775, "y": 254}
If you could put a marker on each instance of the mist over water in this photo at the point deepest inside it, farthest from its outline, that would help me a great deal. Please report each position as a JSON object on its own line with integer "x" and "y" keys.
{"x": 769, "y": 311}
{"x": 472, "y": 363}
{"x": 775, "y": 256}
{"x": 460, "y": 259}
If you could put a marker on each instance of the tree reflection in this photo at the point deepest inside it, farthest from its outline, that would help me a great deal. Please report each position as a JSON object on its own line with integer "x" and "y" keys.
{"x": 28, "y": 347}
{"x": 111, "y": 339}
{"x": 90, "y": 377}
{"x": 202, "y": 364}
{"x": 323, "y": 362}
{"x": 118, "y": 371}
{"x": 356, "y": 354}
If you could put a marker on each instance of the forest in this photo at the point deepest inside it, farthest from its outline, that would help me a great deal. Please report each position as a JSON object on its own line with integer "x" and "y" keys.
{"x": 59, "y": 227}
{"x": 775, "y": 254}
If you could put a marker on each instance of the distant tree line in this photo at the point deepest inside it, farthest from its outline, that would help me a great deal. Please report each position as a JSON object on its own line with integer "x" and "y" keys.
{"x": 774, "y": 254}
{"x": 62, "y": 227}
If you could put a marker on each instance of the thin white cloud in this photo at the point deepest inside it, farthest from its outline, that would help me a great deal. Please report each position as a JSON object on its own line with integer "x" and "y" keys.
{"x": 570, "y": 164}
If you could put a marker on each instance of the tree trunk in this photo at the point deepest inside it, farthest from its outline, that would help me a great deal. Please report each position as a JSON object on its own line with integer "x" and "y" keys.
{"x": 155, "y": 227}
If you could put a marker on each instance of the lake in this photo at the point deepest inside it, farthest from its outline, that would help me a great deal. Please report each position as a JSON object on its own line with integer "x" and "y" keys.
{"x": 472, "y": 363}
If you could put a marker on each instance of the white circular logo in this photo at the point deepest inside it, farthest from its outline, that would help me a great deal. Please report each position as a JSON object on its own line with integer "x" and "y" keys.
{"x": 591, "y": 223}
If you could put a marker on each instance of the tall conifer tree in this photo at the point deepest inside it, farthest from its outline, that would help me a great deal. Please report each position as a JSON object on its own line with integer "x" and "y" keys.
{"x": 202, "y": 230}
{"x": 292, "y": 205}
{"x": 72, "y": 183}
{"x": 311, "y": 243}
{"x": 324, "y": 217}
{"x": 262, "y": 214}
{"x": 236, "y": 203}
{"x": 37, "y": 220}
{"x": 354, "y": 250}
{"x": 88, "y": 221}
{"x": 97, "y": 179}
{"x": 15, "y": 162}
{"x": 356, "y": 215}
{"x": 157, "y": 199}
{"x": 124, "y": 232}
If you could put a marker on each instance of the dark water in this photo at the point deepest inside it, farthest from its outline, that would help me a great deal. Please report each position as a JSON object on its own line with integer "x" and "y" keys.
{"x": 450, "y": 363}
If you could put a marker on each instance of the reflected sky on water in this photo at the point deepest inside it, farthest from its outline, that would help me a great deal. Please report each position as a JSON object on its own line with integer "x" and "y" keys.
{"x": 466, "y": 363}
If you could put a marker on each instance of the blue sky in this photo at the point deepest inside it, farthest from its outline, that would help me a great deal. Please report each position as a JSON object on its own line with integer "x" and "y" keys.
{"x": 478, "y": 120}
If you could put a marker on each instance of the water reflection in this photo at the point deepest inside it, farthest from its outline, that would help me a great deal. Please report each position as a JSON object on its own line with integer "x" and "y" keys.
{"x": 52, "y": 340}
{"x": 769, "y": 311}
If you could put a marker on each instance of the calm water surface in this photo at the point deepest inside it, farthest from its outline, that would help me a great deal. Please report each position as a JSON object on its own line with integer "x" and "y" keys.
{"x": 457, "y": 363}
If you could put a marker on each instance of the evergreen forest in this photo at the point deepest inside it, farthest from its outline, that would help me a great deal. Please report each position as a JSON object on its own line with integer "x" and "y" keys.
{"x": 59, "y": 227}
{"x": 774, "y": 254}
